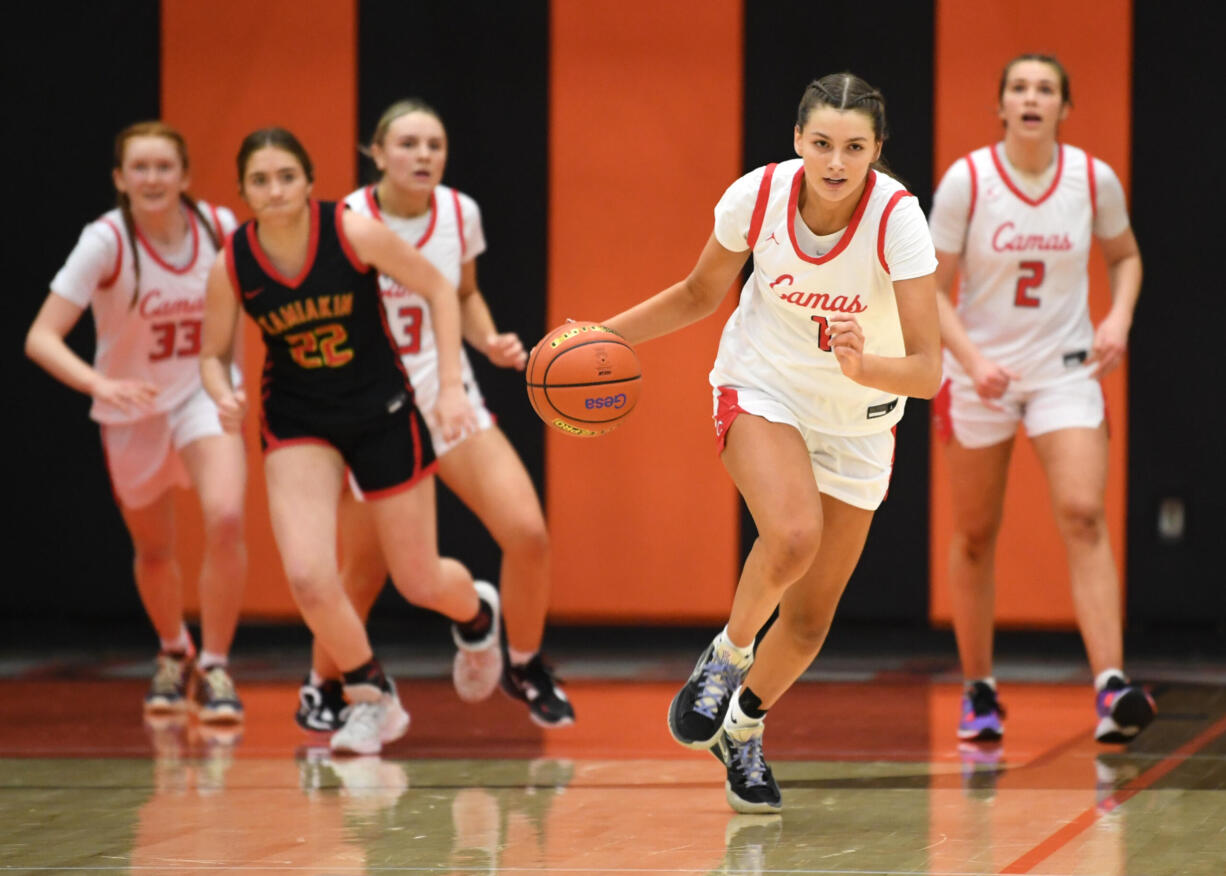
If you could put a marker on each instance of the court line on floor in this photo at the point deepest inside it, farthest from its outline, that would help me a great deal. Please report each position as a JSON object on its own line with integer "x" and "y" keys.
{"x": 1086, "y": 819}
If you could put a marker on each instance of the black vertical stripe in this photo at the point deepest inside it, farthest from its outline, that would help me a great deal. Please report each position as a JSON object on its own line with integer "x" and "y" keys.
{"x": 1176, "y": 419}
{"x": 787, "y": 45}
{"x": 74, "y": 76}
{"x": 485, "y": 68}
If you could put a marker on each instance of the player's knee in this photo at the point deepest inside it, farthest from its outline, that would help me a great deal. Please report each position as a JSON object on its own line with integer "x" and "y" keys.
{"x": 976, "y": 543}
{"x": 313, "y": 588}
{"x": 224, "y": 527}
{"x": 790, "y": 551}
{"x": 529, "y": 539}
{"x": 1081, "y": 520}
{"x": 807, "y": 629}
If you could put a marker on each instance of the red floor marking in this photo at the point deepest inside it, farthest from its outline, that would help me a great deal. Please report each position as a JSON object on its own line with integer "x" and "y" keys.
{"x": 1078, "y": 825}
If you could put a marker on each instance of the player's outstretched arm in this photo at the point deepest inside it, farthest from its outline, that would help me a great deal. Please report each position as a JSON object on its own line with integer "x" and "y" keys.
{"x": 694, "y": 298}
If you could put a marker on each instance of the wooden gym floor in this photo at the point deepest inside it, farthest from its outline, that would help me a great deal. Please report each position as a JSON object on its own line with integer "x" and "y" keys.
{"x": 872, "y": 776}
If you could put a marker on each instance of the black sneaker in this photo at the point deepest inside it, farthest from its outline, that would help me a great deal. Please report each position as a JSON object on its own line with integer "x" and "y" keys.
{"x": 321, "y": 709}
{"x": 697, "y": 711}
{"x": 1124, "y": 710}
{"x": 536, "y": 684}
{"x": 168, "y": 690}
{"x": 215, "y": 698}
{"x": 982, "y": 715}
{"x": 751, "y": 788}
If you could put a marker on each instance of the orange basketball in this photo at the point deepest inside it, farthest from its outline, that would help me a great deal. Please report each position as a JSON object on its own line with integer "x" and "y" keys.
{"x": 583, "y": 379}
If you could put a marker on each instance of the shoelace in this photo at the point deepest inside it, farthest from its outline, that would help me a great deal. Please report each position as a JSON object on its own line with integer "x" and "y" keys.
{"x": 749, "y": 759}
{"x": 169, "y": 675}
{"x": 221, "y": 687}
{"x": 719, "y": 677}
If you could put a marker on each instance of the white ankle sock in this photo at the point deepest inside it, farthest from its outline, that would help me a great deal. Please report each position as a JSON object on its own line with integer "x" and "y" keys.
{"x": 1100, "y": 680}
{"x": 208, "y": 660}
{"x": 989, "y": 680}
{"x": 746, "y": 654}
{"x": 736, "y": 717}
{"x": 180, "y": 645}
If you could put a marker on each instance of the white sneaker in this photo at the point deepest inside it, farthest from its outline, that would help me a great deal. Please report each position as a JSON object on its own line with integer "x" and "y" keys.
{"x": 478, "y": 665}
{"x": 370, "y": 724}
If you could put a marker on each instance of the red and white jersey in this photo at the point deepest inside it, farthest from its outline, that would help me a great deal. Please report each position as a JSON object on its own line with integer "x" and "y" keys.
{"x": 778, "y": 338}
{"x": 154, "y": 334}
{"x": 1025, "y": 246}
{"x": 449, "y": 234}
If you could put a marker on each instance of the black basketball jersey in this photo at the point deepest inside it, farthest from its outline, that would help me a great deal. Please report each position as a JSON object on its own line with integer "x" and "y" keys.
{"x": 329, "y": 358}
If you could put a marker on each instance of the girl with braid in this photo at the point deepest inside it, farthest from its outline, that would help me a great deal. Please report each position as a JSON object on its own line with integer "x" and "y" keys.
{"x": 141, "y": 269}
{"x": 836, "y": 326}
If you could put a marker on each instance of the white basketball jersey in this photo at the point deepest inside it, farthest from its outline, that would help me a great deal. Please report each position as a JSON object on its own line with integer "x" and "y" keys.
{"x": 1024, "y": 298}
{"x": 156, "y": 337}
{"x": 441, "y": 237}
{"x": 777, "y": 339}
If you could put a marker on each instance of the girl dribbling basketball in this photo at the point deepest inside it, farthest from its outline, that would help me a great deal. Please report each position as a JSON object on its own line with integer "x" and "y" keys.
{"x": 835, "y": 328}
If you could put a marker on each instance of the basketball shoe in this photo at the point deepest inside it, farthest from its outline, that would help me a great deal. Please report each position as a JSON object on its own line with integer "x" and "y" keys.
{"x": 321, "y": 708}
{"x": 536, "y": 684}
{"x": 698, "y": 709}
{"x": 1124, "y": 710}
{"x": 371, "y": 723}
{"x": 750, "y": 788}
{"x": 168, "y": 690}
{"x": 478, "y": 663}
{"x": 215, "y": 698}
{"x": 982, "y": 714}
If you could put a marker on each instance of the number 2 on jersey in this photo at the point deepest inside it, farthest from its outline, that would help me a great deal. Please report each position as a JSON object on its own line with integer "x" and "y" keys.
{"x": 1026, "y": 282}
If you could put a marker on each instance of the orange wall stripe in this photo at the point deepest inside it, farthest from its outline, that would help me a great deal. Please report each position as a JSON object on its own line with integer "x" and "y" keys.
{"x": 973, "y": 42}
{"x": 229, "y": 67}
{"x": 645, "y": 134}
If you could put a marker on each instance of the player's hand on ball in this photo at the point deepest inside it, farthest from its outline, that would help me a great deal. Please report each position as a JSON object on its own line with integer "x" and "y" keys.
{"x": 232, "y": 410}
{"x": 506, "y": 351}
{"x": 847, "y": 344}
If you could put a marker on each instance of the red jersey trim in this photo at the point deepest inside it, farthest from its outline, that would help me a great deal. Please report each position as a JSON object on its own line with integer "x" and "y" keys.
{"x": 270, "y": 269}
{"x": 221, "y": 232}
{"x": 885, "y": 218}
{"x": 970, "y": 213}
{"x": 232, "y": 269}
{"x": 459, "y": 221}
{"x": 759, "y": 206}
{"x": 433, "y": 218}
{"x": 1093, "y": 187}
{"x": 153, "y": 253}
{"x": 350, "y": 253}
{"x": 1009, "y": 184}
{"x": 372, "y": 202}
{"x": 848, "y": 233}
{"x": 110, "y": 281}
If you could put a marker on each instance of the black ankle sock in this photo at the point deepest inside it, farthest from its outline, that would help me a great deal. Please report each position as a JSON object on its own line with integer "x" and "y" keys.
{"x": 479, "y": 627}
{"x": 370, "y": 673}
{"x": 751, "y": 704}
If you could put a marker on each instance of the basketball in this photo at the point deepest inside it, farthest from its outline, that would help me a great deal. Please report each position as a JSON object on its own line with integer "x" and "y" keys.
{"x": 583, "y": 379}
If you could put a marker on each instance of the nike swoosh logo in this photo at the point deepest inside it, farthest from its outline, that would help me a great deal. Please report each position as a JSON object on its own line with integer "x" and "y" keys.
{"x": 252, "y": 293}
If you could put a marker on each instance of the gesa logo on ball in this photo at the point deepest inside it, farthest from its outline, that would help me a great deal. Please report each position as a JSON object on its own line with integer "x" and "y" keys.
{"x": 605, "y": 401}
